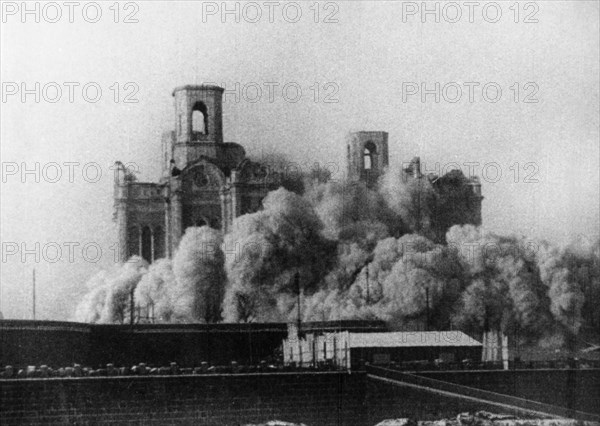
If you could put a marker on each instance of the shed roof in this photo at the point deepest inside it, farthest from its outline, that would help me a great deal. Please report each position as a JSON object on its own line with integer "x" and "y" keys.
{"x": 411, "y": 339}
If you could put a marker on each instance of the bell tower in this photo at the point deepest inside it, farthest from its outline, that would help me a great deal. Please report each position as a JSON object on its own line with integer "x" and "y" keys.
{"x": 367, "y": 156}
{"x": 198, "y": 122}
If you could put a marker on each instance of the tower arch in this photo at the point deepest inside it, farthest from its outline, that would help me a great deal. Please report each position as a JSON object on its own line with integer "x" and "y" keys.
{"x": 367, "y": 156}
{"x": 199, "y": 119}
{"x": 199, "y": 114}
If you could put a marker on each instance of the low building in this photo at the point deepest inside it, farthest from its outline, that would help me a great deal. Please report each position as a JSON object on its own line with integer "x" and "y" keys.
{"x": 351, "y": 350}
{"x": 398, "y": 347}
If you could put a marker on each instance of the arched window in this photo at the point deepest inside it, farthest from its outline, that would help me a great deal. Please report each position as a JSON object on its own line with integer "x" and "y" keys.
{"x": 159, "y": 243}
{"x": 200, "y": 118}
{"x": 147, "y": 244}
{"x": 369, "y": 156}
{"x": 368, "y": 159}
{"x": 133, "y": 241}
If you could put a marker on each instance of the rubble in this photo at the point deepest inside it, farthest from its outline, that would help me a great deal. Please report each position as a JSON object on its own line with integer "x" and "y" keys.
{"x": 276, "y": 423}
{"x": 485, "y": 418}
{"x": 397, "y": 422}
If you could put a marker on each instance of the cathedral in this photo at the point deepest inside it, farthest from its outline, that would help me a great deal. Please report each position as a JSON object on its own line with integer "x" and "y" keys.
{"x": 206, "y": 181}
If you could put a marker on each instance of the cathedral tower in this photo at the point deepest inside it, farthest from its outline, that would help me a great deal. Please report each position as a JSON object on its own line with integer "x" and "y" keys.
{"x": 367, "y": 156}
{"x": 198, "y": 123}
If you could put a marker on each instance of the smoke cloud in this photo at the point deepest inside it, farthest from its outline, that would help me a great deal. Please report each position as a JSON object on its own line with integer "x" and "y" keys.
{"x": 504, "y": 288}
{"x": 155, "y": 290}
{"x": 402, "y": 252}
{"x": 110, "y": 293}
{"x": 187, "y": 289}
{"x": 264, "y": 252}
{"x": 349, "y": 211}
{"x": 199, "y": 275}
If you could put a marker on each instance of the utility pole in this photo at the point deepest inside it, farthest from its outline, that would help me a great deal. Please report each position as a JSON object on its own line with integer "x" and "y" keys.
{"x": 427, "y": 308}
{"x": 367, "y": 276}
{"x": 418, "y": 205}
{"x": 486, "y": 354}
{"x": 131, "y": 307}
{"x": 33, "y": 294}
{"x": 297, "y": 282}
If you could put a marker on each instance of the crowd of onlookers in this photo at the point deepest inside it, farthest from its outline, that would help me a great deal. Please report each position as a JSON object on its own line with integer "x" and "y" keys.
{"x": 513, "y": 364}
{"x": 142, "y": 369}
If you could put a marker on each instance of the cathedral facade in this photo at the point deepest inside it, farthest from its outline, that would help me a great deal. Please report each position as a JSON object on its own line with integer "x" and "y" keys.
{"x": 205, "y": 181}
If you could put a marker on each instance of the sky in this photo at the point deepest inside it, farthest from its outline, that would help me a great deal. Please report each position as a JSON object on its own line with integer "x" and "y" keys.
{"x": 323, "y": 69}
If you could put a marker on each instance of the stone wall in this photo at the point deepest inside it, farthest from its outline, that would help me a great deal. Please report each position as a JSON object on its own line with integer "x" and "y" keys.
{"x": 311, "y": 398}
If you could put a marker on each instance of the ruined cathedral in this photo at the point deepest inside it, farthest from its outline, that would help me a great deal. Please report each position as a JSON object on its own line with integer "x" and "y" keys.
{"x": 206, "y": 181}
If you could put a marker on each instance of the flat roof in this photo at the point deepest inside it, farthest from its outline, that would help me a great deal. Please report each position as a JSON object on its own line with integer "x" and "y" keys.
{"x": 411, "y": 339}
{"x": 198, "y": 87}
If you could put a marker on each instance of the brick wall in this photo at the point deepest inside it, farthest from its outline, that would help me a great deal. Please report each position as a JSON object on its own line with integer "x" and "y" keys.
{"x": 311, "y": 398}
{"x": 327, "y": 398}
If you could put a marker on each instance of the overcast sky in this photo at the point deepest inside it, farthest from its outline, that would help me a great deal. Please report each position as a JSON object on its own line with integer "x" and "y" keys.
{"x": 351, "y": 74}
